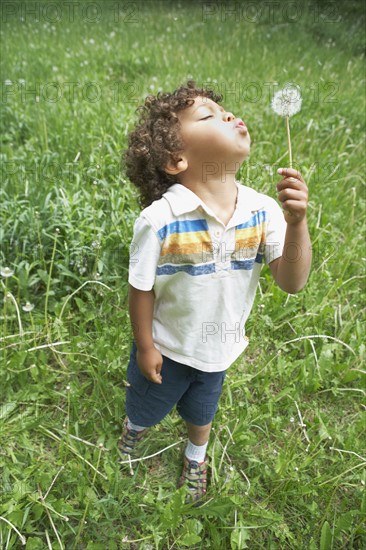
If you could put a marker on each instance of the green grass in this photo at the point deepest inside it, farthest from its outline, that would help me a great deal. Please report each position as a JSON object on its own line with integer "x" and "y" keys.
{"x": 287, "y": 451}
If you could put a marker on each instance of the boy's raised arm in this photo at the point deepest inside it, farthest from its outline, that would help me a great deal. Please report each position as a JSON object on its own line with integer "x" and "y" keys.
{"x": 291, "y": 270}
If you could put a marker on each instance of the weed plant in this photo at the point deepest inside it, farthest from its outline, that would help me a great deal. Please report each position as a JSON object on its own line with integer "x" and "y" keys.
{"x": 288, "y": 446}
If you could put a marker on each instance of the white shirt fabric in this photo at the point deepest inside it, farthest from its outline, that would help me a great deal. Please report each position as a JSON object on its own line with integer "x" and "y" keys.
{"x": 204, "y": 274}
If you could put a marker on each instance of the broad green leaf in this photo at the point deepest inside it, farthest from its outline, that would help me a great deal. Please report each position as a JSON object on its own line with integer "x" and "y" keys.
{"x": 239, "y": 538}
{"x": 190, "y": 539}
{"x": 345, "y": 521}
{"x": 325, "y": 537}
{"x": 7, "y": 409}
{"x": 34, "y": 543}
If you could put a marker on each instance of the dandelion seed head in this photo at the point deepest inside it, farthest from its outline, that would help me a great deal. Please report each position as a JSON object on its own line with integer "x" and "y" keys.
{"x": 6, "y": 272}
{"x": 287, "y": 102}
{"x": 28, "y": 307}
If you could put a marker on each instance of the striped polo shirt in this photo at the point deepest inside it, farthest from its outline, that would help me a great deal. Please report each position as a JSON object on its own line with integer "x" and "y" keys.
{"x": 204, "y": 274}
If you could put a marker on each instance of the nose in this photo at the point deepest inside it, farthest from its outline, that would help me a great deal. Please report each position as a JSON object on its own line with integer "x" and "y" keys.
{"x": 229, "y": 116}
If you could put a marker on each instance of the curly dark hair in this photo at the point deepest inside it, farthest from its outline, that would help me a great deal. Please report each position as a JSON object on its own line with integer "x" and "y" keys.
{"x": 155, "y": 140}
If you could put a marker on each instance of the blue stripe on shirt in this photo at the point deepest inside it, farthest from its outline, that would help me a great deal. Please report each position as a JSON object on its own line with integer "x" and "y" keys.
{"x": 259, "y": 217}
{"x": 169, "y": 269}
{"x": 183, "y": 226}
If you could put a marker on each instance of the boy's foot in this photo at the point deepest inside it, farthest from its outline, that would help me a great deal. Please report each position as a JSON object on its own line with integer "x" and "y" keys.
{"x": 195, "y": 474}
{"x": 128, "y": 441}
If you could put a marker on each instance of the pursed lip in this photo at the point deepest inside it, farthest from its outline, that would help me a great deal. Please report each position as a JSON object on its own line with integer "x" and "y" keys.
{"x": 240, "y": 124}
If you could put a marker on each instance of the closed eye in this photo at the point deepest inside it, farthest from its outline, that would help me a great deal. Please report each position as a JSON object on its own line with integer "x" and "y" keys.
{"x": 209, "y": 116}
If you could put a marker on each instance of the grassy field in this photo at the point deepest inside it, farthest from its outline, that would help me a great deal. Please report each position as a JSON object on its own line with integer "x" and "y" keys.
{"x": 288, "y": 447}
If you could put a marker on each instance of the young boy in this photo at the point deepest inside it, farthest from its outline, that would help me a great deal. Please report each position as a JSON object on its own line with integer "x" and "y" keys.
{"x": 195, "y": 262}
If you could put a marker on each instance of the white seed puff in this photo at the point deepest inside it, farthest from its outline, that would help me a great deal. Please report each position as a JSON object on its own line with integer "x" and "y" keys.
{"x": 287, "y": 102}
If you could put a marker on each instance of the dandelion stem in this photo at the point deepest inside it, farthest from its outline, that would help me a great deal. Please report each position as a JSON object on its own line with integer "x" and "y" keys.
{"x": 77, "y": 290}
{"x": 21, "y": 331}
{"x": 5, "y": 331}
{"x": 22, "y": 538}
{"x": 50, "y": 519}
{"x": 151, "y": 456}
{"x": 53, "y": 482}
{"x": 49, "y": 281}
{"x": 289, "y": 140}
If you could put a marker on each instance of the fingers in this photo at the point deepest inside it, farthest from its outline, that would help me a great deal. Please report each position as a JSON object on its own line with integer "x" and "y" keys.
{"x": 150, "y": 364}
{"x": 154, "y": 375}
{"x": 293, "y": 195}
{"x": 292, "y": 186}
{"x": 156, "y": 378}
{"x": 289, "y": 194}
{"x": 290, "y": 172}
{"x": 293, "y": 183}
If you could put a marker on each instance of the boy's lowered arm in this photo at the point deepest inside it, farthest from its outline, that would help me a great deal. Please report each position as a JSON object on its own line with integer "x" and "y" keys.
{"x": 141, "y": 307}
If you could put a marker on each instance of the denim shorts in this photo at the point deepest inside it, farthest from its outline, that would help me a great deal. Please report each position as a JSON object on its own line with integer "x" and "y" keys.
{"x": 195, "y": 393}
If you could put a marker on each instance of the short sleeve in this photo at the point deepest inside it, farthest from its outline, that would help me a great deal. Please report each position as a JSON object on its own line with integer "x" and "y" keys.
{"x": 144, "y": 255}
{"x": 276, "y": 231}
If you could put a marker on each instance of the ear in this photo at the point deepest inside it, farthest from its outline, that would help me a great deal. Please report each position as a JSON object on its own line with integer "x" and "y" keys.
{"x": 175, "y": 167}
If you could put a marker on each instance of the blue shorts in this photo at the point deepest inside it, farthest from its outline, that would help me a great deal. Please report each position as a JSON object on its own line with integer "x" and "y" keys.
{"x": 194, "y": 392}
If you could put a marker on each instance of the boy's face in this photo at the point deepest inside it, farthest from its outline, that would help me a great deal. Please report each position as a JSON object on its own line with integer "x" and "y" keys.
{"x": 211, "y": 134}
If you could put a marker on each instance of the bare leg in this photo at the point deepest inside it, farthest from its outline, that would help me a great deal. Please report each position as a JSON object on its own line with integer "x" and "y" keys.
{"x": 198, "y": 435}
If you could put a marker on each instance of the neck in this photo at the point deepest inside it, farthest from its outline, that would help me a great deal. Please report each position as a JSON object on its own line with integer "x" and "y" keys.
{"x": 215, "y": 188}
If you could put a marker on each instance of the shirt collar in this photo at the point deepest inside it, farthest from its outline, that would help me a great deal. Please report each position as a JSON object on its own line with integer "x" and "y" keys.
{"x": 183, "y": 200}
